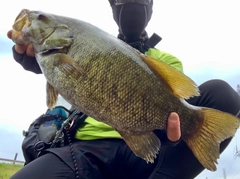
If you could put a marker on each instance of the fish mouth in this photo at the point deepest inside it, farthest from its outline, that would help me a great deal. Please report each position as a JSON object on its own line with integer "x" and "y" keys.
{"x": 21, "y": 23}
{"x": 21, "y": 29}
{"x": 21, "y": 20}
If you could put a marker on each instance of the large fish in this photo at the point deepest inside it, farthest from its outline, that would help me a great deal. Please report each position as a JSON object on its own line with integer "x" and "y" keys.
{"x": 116, "y": 84}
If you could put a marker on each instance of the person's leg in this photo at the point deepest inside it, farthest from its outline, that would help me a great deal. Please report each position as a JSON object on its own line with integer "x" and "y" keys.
{"x": 113, "y": 159}
{"x": 178, "y": 161}
{"x": 48, "y": 166}
{"x": 219, "y": 95}
{"x": 131, "y": 166}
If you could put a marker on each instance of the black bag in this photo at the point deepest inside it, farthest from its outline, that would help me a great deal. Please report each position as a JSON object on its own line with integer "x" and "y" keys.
{"x": 49, "y": 130}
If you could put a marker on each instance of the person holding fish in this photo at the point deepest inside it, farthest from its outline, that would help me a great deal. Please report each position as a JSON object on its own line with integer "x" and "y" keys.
{"x": 103, "y": 151}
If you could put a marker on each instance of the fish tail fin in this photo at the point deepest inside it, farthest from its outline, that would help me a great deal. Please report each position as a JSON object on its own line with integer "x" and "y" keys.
{"x": 216, "y": 127}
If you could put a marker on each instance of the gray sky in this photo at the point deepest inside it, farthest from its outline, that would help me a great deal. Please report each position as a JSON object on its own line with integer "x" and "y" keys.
{"x": 204, "y": 35}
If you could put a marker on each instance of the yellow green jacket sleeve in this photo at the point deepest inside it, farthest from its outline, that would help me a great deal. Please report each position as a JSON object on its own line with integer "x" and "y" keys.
{"x": 166, "y": 58}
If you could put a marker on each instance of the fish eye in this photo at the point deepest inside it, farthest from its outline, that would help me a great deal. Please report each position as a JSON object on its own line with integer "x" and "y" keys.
{"x": 41, "y": 16}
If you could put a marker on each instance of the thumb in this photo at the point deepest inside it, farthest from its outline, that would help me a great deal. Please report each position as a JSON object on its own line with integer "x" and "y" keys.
{"x": 173, "y": 127}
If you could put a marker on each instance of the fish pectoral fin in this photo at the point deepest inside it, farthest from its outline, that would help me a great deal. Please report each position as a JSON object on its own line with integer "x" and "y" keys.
{"x": 205, "y": 141}
{"x": 68, "y": 66}
{"x": 52, "y": 96}
{"x": 144, "y": 145}
{"x": 180, "y": 84}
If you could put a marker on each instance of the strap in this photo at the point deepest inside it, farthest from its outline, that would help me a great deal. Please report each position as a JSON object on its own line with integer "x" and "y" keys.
{"x": 151, "y": 43}
{"x": 153, "y": 40}
{"x": 70, "y": 124}
{"x": 77, "y": 120}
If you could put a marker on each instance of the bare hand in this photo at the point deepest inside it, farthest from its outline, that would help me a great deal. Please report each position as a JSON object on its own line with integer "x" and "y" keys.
{"x": 173, "y": 127}
{"x": 20, "y": 48}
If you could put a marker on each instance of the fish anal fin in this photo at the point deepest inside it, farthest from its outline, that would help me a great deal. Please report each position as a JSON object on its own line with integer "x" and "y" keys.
{"x": 52, "y": 96}
{"x": 68, "y": 66}
{"x": 144, "y": 145}
{"x": 205, "y": 143}
{"x": 180, "y": 84}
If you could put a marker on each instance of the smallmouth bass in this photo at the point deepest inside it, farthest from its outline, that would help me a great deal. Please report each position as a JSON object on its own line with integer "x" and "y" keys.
{"x": 110, "y": 81}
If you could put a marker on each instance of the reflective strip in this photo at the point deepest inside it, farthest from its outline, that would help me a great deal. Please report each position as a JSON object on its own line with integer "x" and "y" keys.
{"x": 238, "y": 114}
{"x": 120, "y": 2}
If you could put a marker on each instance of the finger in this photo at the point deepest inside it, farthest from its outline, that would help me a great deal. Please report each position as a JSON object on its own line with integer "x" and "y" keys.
{"x": 30, "y": 51}
{"x": 20, "y": 48}
{"x": 9, "y": 34}
{"x": 173, "y": 127}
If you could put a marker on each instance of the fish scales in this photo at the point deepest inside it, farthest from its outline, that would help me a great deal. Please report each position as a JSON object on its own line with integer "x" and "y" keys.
{"x": 107, "y": 67}
{"x": 112, "y": 82}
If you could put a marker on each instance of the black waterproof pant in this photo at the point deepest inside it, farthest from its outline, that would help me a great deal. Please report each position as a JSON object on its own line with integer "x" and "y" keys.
{"x": 112, "y": 159}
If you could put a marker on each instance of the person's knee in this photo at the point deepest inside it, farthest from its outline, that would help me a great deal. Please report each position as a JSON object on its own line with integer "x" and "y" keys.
{"x": 217, "y": 85}
{"x": 222, "y": 95}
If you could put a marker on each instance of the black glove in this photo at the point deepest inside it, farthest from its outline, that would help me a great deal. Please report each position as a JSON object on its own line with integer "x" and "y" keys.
{"x": 27, "y": 62}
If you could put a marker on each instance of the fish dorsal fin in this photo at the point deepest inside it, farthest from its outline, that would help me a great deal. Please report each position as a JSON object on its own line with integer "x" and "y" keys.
{"x": 181, "y": 85}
